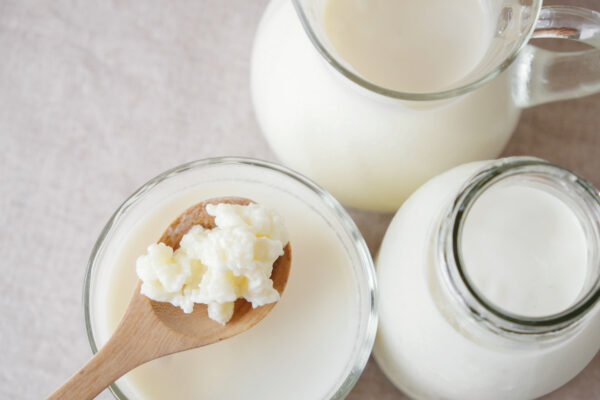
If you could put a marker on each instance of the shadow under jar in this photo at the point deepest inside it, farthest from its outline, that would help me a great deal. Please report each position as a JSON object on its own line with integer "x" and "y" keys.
{"x": 489, "y": 282}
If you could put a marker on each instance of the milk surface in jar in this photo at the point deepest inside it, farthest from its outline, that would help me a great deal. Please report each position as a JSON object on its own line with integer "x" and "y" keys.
{"x": 370, "y": 150}
{"x": 489, "y": 281}
{"x": 321, "y": 330}
{"x": 410, "y": 46}
{"x": 525, "y": 250}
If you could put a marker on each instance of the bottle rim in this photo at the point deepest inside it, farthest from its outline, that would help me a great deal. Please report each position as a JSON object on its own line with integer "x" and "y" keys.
{"x": 452, "y": 264}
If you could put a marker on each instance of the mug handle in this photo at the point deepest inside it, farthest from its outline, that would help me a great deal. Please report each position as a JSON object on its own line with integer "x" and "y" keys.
{"x": 543, "y": 76}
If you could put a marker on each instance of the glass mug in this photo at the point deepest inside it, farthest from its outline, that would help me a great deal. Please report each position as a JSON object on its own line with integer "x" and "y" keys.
{"x": 372, "y": 146}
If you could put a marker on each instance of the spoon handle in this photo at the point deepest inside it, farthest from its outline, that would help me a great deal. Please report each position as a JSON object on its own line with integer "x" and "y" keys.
{"x": 138, "y": 338}
{"x": 110, "y": 363}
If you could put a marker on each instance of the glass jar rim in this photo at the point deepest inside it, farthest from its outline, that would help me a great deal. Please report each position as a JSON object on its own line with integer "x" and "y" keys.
{"x": 361, "y": 351}
{"x": 457, "y": 278}
{"x": 414, "y": 96}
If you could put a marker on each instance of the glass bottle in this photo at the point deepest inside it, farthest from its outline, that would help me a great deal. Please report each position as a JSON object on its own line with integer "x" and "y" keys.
{"x": 440, "y": 335}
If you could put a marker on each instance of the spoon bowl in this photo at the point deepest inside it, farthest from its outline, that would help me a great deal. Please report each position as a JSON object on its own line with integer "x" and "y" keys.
{"x": 151, "y": 329}
{"x": 197, "y": 324}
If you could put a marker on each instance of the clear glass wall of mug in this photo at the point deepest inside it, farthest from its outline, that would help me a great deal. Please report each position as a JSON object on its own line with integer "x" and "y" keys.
{"x": 371, "y": 110}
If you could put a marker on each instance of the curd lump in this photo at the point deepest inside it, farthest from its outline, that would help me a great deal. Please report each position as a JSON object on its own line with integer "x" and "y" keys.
{"x": 217, "y": 266}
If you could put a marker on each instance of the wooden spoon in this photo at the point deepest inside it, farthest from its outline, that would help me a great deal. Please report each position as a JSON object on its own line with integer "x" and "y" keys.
{"x": 151, "y": 329}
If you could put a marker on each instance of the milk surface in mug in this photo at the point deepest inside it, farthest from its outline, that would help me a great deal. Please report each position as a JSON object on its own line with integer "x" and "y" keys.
{"x": 299, "y": 351}
{"x": 409, "y": 46}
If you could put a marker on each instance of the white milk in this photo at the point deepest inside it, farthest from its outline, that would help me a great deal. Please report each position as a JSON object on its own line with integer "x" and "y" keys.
{"x": 369, "y": 150}
{"x": 301, "y": 350}
{"x": 429, "y": 349}
{"x": 525, "y": 250}
{"x": 409, "y": 46}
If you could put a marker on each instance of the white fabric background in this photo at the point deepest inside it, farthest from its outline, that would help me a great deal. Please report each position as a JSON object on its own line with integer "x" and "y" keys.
{"x": 97, "y": 97}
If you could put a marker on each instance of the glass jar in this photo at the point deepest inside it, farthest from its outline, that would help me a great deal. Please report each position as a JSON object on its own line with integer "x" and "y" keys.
{"x": 371, "y": 146}
{"x": 322, "y": 330}
{"x": 440, "y": 334}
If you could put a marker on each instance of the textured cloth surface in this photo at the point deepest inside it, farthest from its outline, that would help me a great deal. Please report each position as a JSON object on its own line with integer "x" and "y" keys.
{"x": 98, "y": 97}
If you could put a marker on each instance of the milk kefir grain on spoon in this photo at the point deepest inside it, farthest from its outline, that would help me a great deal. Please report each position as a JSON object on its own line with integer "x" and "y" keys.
{"x": 219, "y": 265}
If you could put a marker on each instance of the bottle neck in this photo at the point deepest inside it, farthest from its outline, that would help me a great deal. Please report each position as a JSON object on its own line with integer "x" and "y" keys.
{"x": 577, "y": 194}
